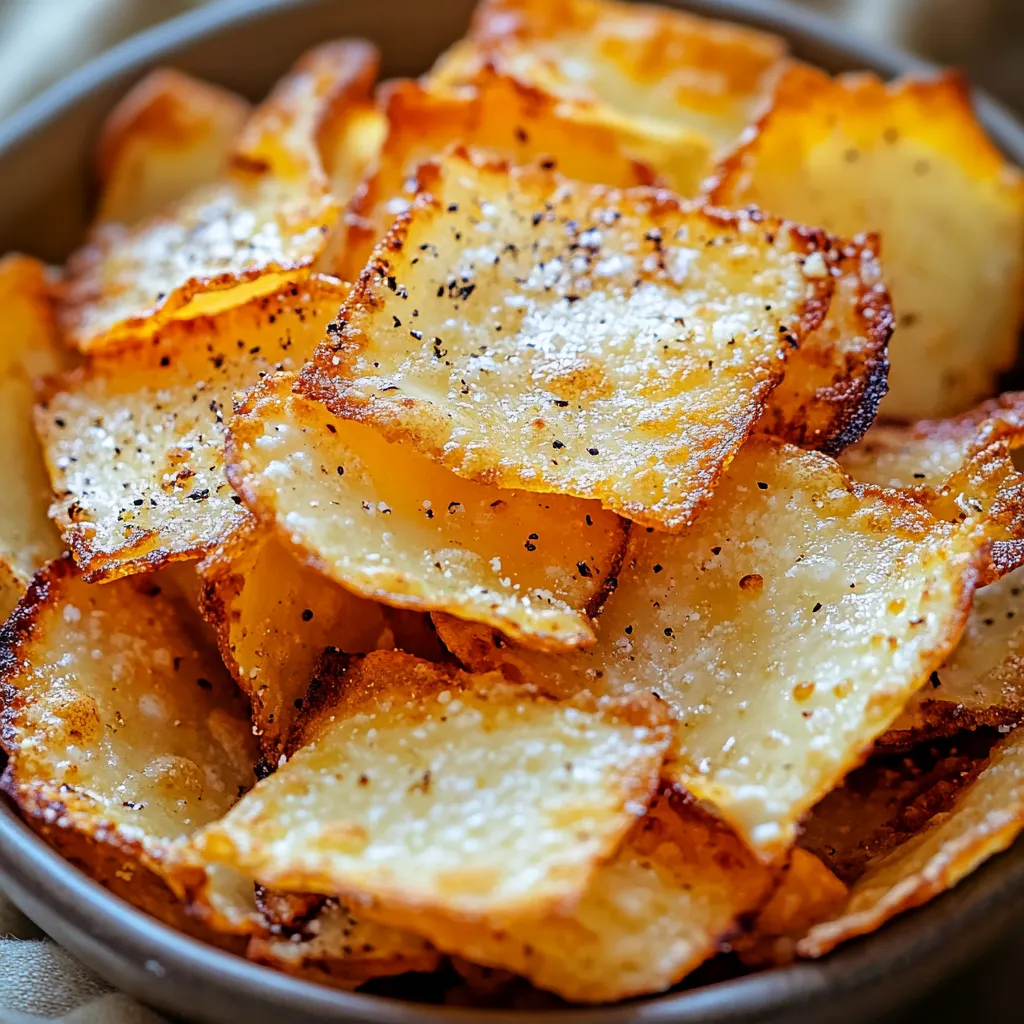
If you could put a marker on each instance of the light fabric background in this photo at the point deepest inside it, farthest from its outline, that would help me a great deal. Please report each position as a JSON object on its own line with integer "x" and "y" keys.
{"x": 40, "y": 40}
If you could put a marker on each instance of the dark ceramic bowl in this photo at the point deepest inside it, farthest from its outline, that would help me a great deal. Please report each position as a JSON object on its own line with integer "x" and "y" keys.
{"x": 45, "y": 175}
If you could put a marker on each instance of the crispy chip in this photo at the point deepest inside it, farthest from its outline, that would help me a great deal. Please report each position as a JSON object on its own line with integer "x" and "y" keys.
{"x": 419, "y": 786}
{"x": 892, "y": 798}
{"x": 835, "y": 380}
{"x": 133, "y": 439}
{"x": 649, "y": 916}
{"x": 982, "y": 683}
{"x": 169, "y": 135}
{"x": 909, "y": 160}
{"x": 120, "y": 727}
{"x": 339, "y": 946}
{"x": 28, "y": 348}
{"x": 956, "y": 466}
{"x": 808, "y": 893}
{"x": 660, "y": 72}
{"x": 262, "y": 225}
{"x": 572, "y": 339}
{"x": 391, "y": 524}
{"x": 985, "y": 820}
{"x": 519, "y": 123}
{"x": 785, "y": 630}
{"x": 274, "y": 616}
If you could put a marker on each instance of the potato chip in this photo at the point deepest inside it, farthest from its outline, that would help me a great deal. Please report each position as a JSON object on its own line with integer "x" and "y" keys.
{"x": 259, "y": 227}
{"x": 169, "y": 135}
{"x": 890, "y": 799}
{"x": 340, "y": 947}
{"x": 274, "y": 616}
{"x": 28, "y": 348}
{"x": 985, "y": 820}
{"x": 534, "y": 333}
{"x": 785, "y": 630}
{"x": 651, "y": 914}
{"x": 835, "y": 380}
{"x": 908, "y": 160}
{"x": 956, "y": 467}
{"x": 118, "y": 724}
{"x": 658, "y": 71}
{"x": 982, "y": 682}
{"x": 391, "y": 524}
{"x": 134, "y": 439}
{"x": 808, "y": 893}
{"x": 515, "y": 121}
{"x": 419, "y": 786}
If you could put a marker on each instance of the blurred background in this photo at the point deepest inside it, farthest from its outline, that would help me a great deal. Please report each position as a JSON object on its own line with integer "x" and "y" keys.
{"x": 40, "y": 40}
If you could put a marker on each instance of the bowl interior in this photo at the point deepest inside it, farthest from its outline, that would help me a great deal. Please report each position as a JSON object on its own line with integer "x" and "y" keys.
{"x": 46, "y": 179}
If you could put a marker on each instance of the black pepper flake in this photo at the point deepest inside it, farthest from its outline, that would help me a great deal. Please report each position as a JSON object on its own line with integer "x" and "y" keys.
{"x": 332, "y": 428}
{"x": 657, "y": 567}
{"x": 398, "y": 323}
{"x": 716, "y": 550}
{"x": 530, "y": 546}
{"x": 392, "y": 284}
{"x": 418, "y": 335}
{"x": 537, "y": 218}
{"x": 628, "y": 631}
{"x": 593, "y": 451}
{"x": 590, "y": 521}
{"x": 453, "y": 207}
{"x": 557, "y": 445}
{"x": 583, "y": 569}
{"x": 234, "y": 497}
{"x": 204, "y": 684}
{"x": 307, "y": 614}
{"x": 429, "y": 513}
{"x": 138, "y": 501}
{"x": 919, "y": 476}
{"x": 453, "y": 507}
{"x": 165, "y": 360}
{"x": 668, "y": 631}
{"x": 200, "y": 495}
{"x": 762, "y": 485}
{"x": 817, "y": 606}
{"x": 935, "y": 680}
{"x": 560, "y": 402}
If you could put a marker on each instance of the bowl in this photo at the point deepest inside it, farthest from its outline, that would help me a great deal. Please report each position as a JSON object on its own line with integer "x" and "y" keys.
{"x": 45, "y": 176}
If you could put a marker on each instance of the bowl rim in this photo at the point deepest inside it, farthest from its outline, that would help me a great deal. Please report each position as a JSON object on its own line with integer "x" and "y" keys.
{"x": 919, "y": 945}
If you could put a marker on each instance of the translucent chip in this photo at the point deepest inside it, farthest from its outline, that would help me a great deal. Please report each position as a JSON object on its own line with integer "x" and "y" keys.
{"x": 910, "y": 161}
{"x": 786, "y": 630}
{"x": 134, "y": 439}
{"x": 662, "y": 72}
{"x": 169, "y": 135}
{"x": 417, "y": 786}
{"x": 261, "y": 226}
{"x": 123, "y": 733}
{"x": 391, "y": 524}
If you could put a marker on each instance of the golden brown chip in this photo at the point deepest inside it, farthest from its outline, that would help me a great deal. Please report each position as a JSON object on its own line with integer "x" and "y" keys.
{"x": 274, "y": 616}
{"x": 982, "y": 682}
{"x": 339, "y": 946}
{"x": 531, "y": 332}
{"x": 169, "y": 135}
{"x": 835, "y": 380}
{"x": 959, "y": 466}
{"x": 985, "y": 820}
{"x": 658, "y": 71}
{"x": 134, "y": 439}
{"x": 807, "y": 893}
{"x": 391, "y": 524}
{"x": 119, "y": 726}
{"x": 786, "y": 629}
{"x": 908, "y": 160}
{"x": 258, "y": 228}
{"x": 656, "y": 910}
{"x": 421, "y": 787}
{"x": 515, "y": 121}
{"x": 28, "y": 349}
